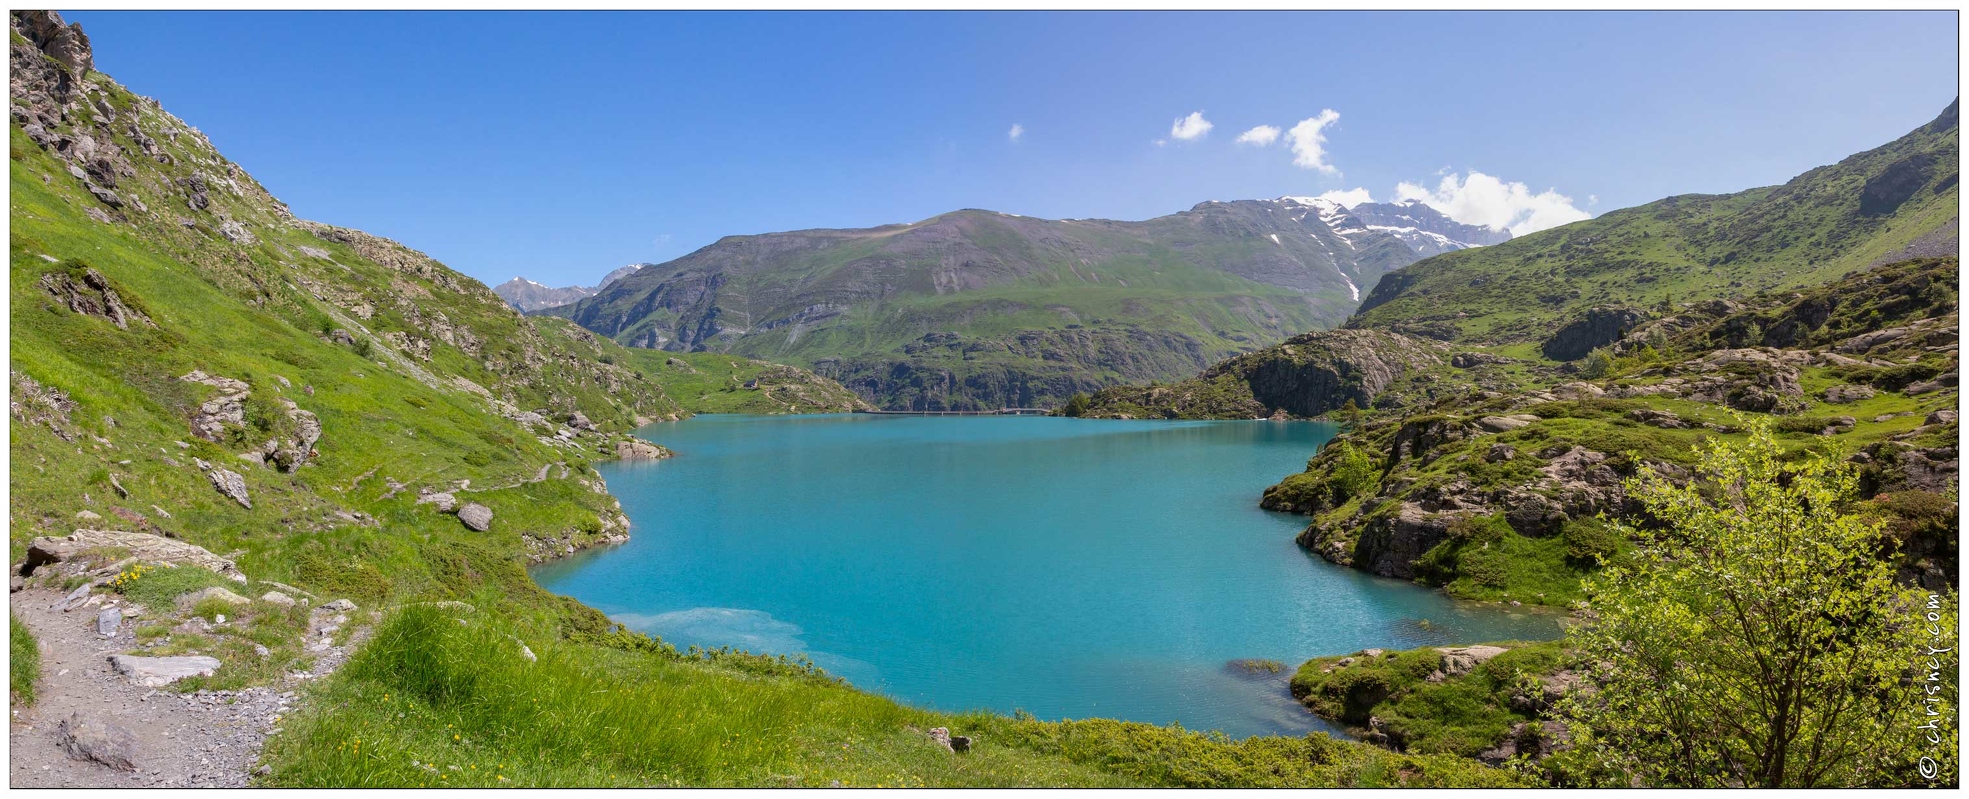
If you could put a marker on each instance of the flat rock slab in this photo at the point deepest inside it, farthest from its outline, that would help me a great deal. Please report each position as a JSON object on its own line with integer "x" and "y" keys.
{"x": 159, "y": 672}
{"x": 142, "y": 546}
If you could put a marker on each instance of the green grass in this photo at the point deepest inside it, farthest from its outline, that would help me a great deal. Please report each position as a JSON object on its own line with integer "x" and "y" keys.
{"x": 23, "y": 661}
{"x": 709, "y": 382}
{"x": 1462, "y": 714}
{"x": 463, "y": 700}
{"x": 158, "y": 587}
{"x": 1489, "y": 561}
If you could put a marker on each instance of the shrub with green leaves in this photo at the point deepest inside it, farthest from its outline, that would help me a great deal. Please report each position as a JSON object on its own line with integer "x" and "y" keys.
{"x": 1755, "y": 638}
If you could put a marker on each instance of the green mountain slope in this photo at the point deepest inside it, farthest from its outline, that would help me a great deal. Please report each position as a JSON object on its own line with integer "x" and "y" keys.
{"x": 976, "y": 309}
{"x": 1888, "y": 203}
{"x": 189, "y": 361}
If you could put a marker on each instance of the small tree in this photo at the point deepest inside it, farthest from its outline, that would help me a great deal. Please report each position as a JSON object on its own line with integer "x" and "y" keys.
{"x": 1758, "y": 638}
{"x": 1077, "y": 405}
{"x": 1349, "y": 414}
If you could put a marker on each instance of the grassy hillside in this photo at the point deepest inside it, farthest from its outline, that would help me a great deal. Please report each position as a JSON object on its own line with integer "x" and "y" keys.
{"x": 976, "y": 309}
{"x": 1889, "y": 203}
{"x": 1492, "y": 491}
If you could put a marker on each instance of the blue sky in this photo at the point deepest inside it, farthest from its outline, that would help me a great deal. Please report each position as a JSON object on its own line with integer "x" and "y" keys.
{"x": 559, "y": 146}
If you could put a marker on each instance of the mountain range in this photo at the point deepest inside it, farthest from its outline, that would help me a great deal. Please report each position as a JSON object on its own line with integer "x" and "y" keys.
{"x": 979, "y": 309}
{"x": 528, "y": 295}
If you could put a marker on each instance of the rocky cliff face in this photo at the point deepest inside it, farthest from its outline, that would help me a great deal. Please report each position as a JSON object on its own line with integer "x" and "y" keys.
{"x": 1307, "y": 376}
{"x": 1595, "y": 328}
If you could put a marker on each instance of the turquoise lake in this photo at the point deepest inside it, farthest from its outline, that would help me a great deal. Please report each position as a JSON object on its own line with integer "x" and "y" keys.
{"x": 1069, "y": 568}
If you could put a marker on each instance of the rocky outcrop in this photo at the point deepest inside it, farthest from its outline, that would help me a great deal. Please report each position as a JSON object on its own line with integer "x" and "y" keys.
{"x": 1306, "y": 376}
{"x": 225, "y": 410}
{"x": 32, "y": 403}
{"x": 63, "y": 42}
{"x": 141, "y": 546}
{"x": 1595, "y": 328}
{"x": 90, "y": 294}
{"x": 638, "y": 450}
{"x": 222, "y": 417}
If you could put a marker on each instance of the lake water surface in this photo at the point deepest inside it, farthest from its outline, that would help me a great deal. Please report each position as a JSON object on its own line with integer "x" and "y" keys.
{"x": 1070, "y": 568}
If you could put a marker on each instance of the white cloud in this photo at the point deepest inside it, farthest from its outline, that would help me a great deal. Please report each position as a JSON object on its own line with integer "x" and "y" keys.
{"x": 1263, "y": 136}
{"x": 1479, "y": 199}
{"x": 1016, "y": 132}
{"x": 1191, "y": 127}
{"x": 1309, "y": 141}
{"x": 1348, "y": 198}
{"x": 1159, "y": 142}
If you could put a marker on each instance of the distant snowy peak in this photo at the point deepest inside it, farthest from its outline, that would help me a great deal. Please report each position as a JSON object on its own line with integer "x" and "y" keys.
{"x": 1425, "y": 229}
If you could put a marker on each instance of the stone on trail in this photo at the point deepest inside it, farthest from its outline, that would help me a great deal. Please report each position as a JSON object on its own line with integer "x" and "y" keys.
{"x": 339, "y": 605}
{"x": 91, "y": 740}
{"x": 476, "y": 516}
{"x": 109, "y": 621}
{"x": 159, "y": 672}
{"x": 74, "y": 599}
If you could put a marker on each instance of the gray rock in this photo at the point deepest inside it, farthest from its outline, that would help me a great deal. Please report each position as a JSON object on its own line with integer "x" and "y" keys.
{"x": 1596, "y": 327}
{"x": 1654, "y": 418}
{"x": 94, "y": 741}
{"x": 159, "y": 672}
{"x": 75, "y": 598}
{"x": 1499, "y": 424}
{"x": 109, "y": 621}
{"x": 634, "y": 450}
{"x": 1940, "y": 417}
{"x": 339, "y": 606}
{"x": 277, "y": 598}
{"x": 230, "y": 484}
{"x": 476, "y": 516}
{"x": 236, "y": 232}
{"x": 1843, "y": 393}
{"x": 1461, "y": 659}
{"x": 142, "y": 546}
{"x": 446, "y": 502}
{"x": 215, "y": 592}
{"x": 1500, "y": 452}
